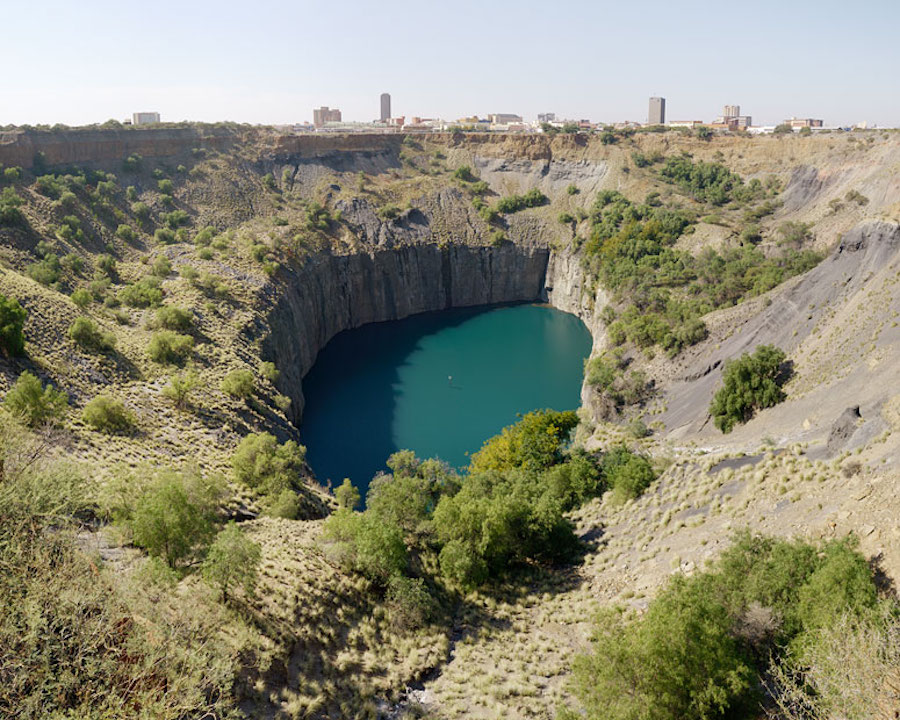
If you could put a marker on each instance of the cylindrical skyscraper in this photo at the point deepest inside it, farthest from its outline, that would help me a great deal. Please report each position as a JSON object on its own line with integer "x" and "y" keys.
{"x": 385, "y": 107}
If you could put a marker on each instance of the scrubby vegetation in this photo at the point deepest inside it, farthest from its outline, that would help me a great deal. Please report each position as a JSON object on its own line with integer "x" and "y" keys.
{"x": 12, "y": 322}
{"x": 507, "y": 511}
{"x": 704, "y": 643}
{"x": 33, "y": 403}
{"x": 751, "y": 382}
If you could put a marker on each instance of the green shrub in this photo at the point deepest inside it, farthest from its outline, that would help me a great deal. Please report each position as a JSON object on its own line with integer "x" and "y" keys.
{"x": 141, "y": 211}
{"x": 172, "y": 516}
{"x": 232, "y": 561}
{"x": 165, "y": 236}
{"x": 464, "y": 173}
{"x": 46, "y": 271}
{"x": 72, "y": 263}
{"x": 627, "y": 474}
{"x": 750, "y": 383}
{"x": 408, "y": 602}
{"x": 366, "y": 544}
{"x": 514, "y": 203}
{"x": 12, "y": 323}
{"x": 572, "y": 189}
{"x": 146, "y": 292}
{"x": 269, "y": 372}
{"x": 263, "y": 464}
{"x": 90, "y": 337}
{"x": 165, "y": 186}
{"x": 681, "y": 659}
{"x": 285, "y": 504}
{"x": 537, "y": 441}
{"x": 108, "y": 415}
{"x": 10, "y": 215}
{"x": 347, "y": 495}
{"x": 176, "y": 219}
{"x": 180, "y": 388}
{"x": 106, "y": 264}
{"x": 161, "y": 267}
{"x": 132, "y": 163}
{"x": 126, "y": 233}
{"x": 168, "y": 347}
{"x": 82, "y": 298}
{"x": 239, "y": 384}
{"x": 35, "y": 404}
{"x": 170, "y": 317}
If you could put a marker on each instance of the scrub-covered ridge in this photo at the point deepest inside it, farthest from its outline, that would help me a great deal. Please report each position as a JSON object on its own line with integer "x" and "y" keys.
{"x": 722, "y": 508}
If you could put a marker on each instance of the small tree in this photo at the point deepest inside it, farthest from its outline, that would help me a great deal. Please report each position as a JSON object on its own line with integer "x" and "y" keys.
{"x": 408, "y": 602}
{"x": 180, "y": 388}
{"x": 35, "y": 404}
{"x": 169, "y": 347}
{"x": 347, "y": 495}
{"x": 12, "y": 321}
{"x": 261, "y": 463}
{"x": 239, "y": 384}
{"x": 86, "y": 334}
{"x": 750, "y": 383}
{"x": 108, "y": 415}
{"x": 233, "y": 560}
{"x": 172, "y": 515}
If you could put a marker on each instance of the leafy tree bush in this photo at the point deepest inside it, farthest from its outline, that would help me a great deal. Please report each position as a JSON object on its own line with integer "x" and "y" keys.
{"x": 347, "y": 495}
{"x": 537, "y": 441}
{"x": 35, "y": 404}
{"x": 232, "y": 561}
{"x": 12, "y": 323}
{"x": 176, "y": 219}
{"x": 365, "y": 543}
{"x": 263, "y": 464}
{"x": 239, "y": 384}
{"x": 180, "y": 388}
{"x": 165, "y": 186}
{"x": 269, "y": 372}
{"x": 86, "y": 334}
{"x": 169, "y": 347}
{"x": 146, "y": 292}
{"x": 680, "y": 659}
{"x": 10, "y": 215}
{"x": 108, "y": 415}
{"x": 106, "y": 264}
{"x": 46, "y": 271}
{"x": 285, "y": 504}
{"x": 784, "y": 129}
{"x": 171, "y": 317}
{"x": 408, "y": 602}
{"x": 161, "y": 267}
{"x": 701, "y": 647}
{"x": 126, "y": 233}
{"x": 172, "y": 515}
{"x": 514, "y": 203}
{"x": 750, "y": 383}
{"x": 82, "y": 298}
{"x": 626, "y": 473}
{"x": 165, "y": 236}
{"x": 464, "y": 173}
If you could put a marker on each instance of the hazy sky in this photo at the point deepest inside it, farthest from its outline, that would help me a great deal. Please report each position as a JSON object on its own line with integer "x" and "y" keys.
{"x": 269, "y": 61}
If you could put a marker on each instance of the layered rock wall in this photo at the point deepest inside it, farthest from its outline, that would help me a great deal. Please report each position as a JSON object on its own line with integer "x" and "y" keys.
{"x": 331, "y": 293}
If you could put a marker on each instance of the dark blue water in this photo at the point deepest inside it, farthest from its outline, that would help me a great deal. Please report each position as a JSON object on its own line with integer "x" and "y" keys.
{"x": 387, "y": 386}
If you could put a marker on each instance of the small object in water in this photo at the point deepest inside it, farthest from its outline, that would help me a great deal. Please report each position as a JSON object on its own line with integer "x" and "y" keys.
{"x": 449, "y": 379}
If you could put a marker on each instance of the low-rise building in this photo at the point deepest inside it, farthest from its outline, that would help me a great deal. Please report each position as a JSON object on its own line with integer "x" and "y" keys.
{"x": 145, "y": 118}
{"x": 326, "y": 114}
{"x": 803, "y": 123}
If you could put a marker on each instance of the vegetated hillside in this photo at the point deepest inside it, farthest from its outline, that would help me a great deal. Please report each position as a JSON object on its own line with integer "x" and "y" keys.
{"x": 188, "y": 278}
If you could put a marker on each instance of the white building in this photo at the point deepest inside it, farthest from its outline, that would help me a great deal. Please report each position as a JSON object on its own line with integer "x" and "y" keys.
{"x": 145, "y": 118}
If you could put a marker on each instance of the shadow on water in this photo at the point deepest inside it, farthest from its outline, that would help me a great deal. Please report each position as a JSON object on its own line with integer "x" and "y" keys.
{"x": 436, "y": 383}
{"x": 351, "y": 393}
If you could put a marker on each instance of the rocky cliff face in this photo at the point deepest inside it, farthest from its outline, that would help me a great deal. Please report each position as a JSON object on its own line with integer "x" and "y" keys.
{"x": 331, "y": 293}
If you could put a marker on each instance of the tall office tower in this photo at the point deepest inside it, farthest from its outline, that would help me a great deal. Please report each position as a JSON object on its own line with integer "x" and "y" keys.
{"x": 385, "y": 107}
{"x": 657, "y": 114}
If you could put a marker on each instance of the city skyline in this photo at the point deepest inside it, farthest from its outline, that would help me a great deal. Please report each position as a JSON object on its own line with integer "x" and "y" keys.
{"x": 775, "y": 61}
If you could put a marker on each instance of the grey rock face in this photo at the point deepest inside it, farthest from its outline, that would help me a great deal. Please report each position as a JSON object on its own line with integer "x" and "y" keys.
{"x": 331, "y": 293}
